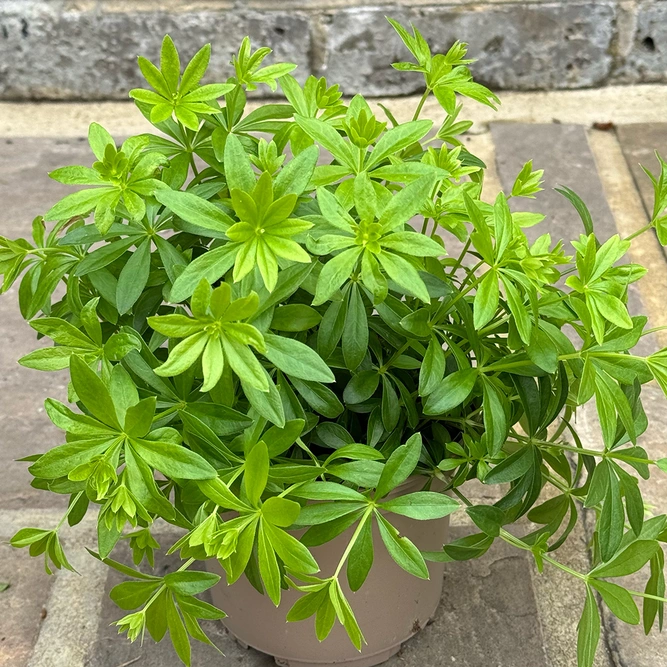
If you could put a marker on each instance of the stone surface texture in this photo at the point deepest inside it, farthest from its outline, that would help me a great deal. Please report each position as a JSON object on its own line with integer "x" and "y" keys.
{"x": 459, "y": 636}
{"x": 23, "y": 604}
{"x": 646, "y": 59}
{"x": 517, "y": 46}
{"x": 85, "y": 50}
{"x": 49, "y": 50}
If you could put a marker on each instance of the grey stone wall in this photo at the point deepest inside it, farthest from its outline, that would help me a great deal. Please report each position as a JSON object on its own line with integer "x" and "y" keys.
{"x": 86, "y": 49}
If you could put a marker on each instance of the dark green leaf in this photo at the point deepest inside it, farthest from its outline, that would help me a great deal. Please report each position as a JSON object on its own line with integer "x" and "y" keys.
{"x": 399, "y": 465}
{"x": 296, "y": 359}
{"x": 422, "y": 505}
{"x": 618, "y": 600}
{"x": 629, "y": 560}
{"x": 588, "y": 631}
{"x": 487, "y": 518}
{"x": 360, "y": 560}
{"x": 173, "y": 460}
{"x": 355, "y": 330}
{"x": 133, "y": 278}
{"x": 513, "y": 467}
{"x": 450, "y": 392}
{"x": 402, "y": 550}
{"x": 256, "y": 472}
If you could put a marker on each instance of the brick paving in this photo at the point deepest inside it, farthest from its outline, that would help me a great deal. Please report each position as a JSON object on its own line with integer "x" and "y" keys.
{"x": 496, "y": 611}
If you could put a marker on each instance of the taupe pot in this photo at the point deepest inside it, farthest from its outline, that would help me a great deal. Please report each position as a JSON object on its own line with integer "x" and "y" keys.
{"x": 391, "y": 607}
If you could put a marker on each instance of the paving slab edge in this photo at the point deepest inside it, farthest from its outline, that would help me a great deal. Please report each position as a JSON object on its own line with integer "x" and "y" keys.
{"x": 613, "y": 104}
{"x": 630, "y": 215}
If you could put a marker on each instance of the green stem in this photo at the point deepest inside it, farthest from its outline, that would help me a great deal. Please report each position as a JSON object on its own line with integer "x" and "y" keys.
{"x": 648, "y": 596}
{"x": 590, "y": 452}
{"x": 396, "y": 355}
{"x": 235, "y": 475}
{"x": 567, "y": 448}
{"x": 565, "y": 357}
{"x": 494, "y": 368}
{"x": 615, "y": 355}
{"x": 495, "y": 324}
{"x": 564, "y": 568}
{"x": 461, "y": 497}
{"x": 471, "y": 272}
{"x": 186, "y": 565}
{"x": 157, "y": 593}
{"x": 515, "y": 541}
{"x": 568, "y": 491}
{"x": 559, "y": 431}
{"x": 195, "y": 171}
{"x": 43, "y": 252}
{"x": 353, "y": 539}
{"x": 654, "y": 330}
{"x": 154, "y": 597}
{"x": 557, "y": 483}
{"x": 69, "y": 510}
{"x": 639, "y": 232}
{"x": 291, "y": 488}
{"x": 465, "y": 291}
{"x": 168, "y": 411}
{"x": 459, "y": 260}
{"x": 184, "y": 134}
{"x": 306, "y": 449}
{"x": 420, "y": 106}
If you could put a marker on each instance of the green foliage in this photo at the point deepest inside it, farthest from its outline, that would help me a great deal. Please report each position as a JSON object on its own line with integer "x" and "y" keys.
{"x": 260, "y": 341}
{"x": 176, "y": 94}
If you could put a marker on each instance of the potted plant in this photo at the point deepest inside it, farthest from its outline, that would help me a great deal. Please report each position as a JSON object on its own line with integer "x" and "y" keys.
{"x": 264, "y": 352}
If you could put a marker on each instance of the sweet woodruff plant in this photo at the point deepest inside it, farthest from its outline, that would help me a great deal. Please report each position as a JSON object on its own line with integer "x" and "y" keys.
{"x": 251, "y": 323}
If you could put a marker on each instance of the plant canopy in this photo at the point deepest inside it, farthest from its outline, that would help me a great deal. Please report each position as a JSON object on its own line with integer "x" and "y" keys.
{"x": 251, "y": 323}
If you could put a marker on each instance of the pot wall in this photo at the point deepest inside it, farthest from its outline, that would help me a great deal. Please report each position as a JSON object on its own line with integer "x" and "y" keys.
{"x": 391, "y": 606}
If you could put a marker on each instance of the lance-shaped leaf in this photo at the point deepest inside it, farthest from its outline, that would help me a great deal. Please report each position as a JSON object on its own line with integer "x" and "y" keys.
{"x": 196, "y": 210}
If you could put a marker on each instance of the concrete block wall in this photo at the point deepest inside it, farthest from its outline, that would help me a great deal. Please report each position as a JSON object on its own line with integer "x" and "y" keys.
{"x": 86, "y": 49}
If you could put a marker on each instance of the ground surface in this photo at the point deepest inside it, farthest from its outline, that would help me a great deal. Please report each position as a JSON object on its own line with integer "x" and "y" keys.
{"x": 496, "y": 611}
